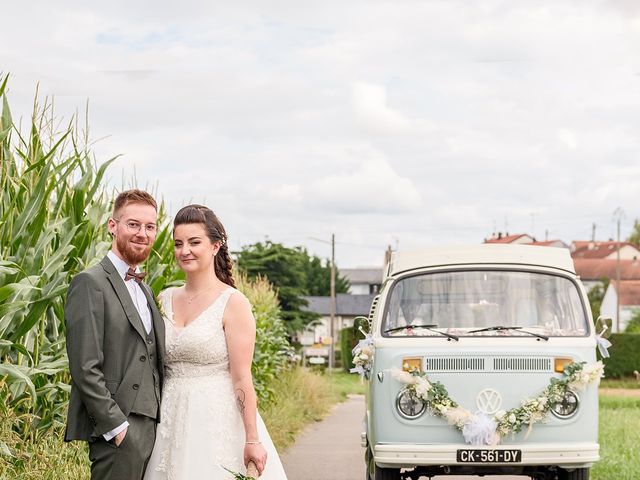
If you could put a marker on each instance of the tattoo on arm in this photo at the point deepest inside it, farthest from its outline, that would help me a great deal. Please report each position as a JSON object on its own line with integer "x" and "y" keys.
{"x": 240, "y": 398}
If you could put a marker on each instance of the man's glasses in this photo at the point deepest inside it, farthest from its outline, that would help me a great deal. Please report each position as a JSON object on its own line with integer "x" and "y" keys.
{"x": 134, "y": 227}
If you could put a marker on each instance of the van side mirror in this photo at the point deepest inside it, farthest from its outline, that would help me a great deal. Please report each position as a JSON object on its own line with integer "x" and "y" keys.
{"x": 603, "y": 326}
{"x": 362, "y": 324}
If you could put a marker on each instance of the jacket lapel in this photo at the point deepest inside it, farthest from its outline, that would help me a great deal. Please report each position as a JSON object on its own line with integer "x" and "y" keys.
{"x": 123, "y": 295}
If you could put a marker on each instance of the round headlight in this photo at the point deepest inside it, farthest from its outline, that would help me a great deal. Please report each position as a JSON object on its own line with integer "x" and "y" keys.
{"x": 409, "y": 405}
{"x": 567, "y": 407}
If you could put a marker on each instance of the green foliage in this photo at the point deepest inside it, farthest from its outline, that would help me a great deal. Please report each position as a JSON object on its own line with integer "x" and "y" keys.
{"x": 634, "y": 323}
{"x": 634, "y": 237}
{"x": 272, "y": 351}
{"x": 52, "y": 215}
{"x": 293, "y": 273}
{"x": 319, "y": 278}
{"x": 625, "y": 355}
{"x": 596, "y": 295}
{"x": 347, "y": 342}
{"x": 349, "y": 337}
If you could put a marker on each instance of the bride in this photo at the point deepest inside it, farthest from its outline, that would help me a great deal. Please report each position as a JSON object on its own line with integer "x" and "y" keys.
{"x": 209, "y": 419}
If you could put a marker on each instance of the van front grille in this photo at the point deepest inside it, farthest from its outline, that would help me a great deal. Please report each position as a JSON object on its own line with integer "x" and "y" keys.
{"x": 519, "y": 364}
{"x": 487, "y": 364}
{"x": 453, "y": 364}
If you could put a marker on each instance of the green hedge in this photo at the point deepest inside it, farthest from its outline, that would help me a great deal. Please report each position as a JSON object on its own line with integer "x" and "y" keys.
{"x": 625, "y": 355}
{"x": 347, "y": 342}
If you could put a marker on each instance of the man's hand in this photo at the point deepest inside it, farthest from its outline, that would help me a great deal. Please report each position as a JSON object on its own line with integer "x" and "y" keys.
{"x": 120, "y": 437}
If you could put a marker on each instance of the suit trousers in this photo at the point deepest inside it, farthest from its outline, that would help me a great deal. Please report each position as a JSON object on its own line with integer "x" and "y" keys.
{"x": 127, "y": 461}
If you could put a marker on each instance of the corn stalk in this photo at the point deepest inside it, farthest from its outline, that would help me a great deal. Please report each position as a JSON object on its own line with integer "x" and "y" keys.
{"x": 52, "y": 215}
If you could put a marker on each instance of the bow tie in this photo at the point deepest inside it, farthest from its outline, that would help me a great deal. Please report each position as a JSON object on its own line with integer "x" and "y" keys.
{"x": 131, "y": 273}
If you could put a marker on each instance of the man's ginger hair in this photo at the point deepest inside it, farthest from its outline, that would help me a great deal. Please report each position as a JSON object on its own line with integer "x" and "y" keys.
{"x": 132, "y": 196}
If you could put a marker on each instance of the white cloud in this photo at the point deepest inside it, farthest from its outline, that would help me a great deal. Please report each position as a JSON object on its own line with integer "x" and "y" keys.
{"x": 428, "y": 122}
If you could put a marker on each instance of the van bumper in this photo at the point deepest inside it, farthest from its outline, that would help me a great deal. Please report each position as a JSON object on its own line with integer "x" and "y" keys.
{"x": 574, "y": 455}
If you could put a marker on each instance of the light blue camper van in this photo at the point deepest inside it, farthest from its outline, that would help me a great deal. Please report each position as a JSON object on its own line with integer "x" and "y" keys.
{"x": 481, "y": 360}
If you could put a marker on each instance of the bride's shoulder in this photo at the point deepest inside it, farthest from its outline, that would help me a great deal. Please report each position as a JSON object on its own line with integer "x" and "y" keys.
{"x": 166, "y": 294}
{"x": 237, "y": 302}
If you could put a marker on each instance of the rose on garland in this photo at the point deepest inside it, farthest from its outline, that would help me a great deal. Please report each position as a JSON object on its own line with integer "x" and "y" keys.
{"x": 480, "y": 429}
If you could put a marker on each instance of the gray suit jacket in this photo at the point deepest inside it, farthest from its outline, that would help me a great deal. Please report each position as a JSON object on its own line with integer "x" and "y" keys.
{"x": 105, "y": 340}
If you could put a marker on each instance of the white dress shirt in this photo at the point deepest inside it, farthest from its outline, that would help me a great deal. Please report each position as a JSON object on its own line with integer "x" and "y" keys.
{"x": 140, "y": 302}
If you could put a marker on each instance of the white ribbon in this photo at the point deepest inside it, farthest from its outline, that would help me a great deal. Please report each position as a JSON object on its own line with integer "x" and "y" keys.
{"x": 480, "y": 431}
{"x": 603, "y": 343}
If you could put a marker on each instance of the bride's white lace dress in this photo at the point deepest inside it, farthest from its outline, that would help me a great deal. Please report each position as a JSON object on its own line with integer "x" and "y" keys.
{"x": 201, "y": 429}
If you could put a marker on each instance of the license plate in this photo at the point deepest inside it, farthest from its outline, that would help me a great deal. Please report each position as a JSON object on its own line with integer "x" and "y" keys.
{"x": 488, "y": 456}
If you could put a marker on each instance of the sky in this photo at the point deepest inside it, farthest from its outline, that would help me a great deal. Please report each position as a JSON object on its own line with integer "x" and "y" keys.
{"x": 410, "y": 124}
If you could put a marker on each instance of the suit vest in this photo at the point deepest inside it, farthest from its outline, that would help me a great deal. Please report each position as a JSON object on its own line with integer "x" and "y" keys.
{"x": 147, "y": 401}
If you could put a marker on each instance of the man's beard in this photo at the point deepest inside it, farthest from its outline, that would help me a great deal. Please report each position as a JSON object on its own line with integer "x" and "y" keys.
{"x": 131, "y": 256}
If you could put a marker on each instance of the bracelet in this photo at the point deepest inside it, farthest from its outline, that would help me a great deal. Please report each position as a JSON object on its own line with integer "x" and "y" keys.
{"x": 253, "y": 443}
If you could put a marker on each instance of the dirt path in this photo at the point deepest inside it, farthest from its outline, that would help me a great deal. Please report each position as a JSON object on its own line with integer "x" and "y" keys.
{"x": 620, "y": 392}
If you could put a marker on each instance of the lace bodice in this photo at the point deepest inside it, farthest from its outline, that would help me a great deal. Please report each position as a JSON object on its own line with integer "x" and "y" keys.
{"x": 199, "y": 348}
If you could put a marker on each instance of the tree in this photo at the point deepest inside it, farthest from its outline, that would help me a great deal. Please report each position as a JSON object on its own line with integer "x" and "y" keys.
{"x": 635, "y": 234}
{"x": 596, "y": 295}
{"x": 319, "y": 278}
{"x": 294, "y": 274}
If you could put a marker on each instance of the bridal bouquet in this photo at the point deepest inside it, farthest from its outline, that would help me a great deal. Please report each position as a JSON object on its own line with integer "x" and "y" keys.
{"x": 240, "y": 476}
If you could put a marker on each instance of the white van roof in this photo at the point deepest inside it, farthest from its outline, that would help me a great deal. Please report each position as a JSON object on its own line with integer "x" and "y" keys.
{"x": 493, "y": 254}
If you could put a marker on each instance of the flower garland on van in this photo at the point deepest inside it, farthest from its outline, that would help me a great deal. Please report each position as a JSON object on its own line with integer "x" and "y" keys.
{"x": 480, "y": 429}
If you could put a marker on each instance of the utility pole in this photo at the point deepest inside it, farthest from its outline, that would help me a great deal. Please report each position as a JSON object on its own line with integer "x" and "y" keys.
{"x": 332, "y": 299}
{"x": 332, "y": 302}
{"x": 618, "y": 213}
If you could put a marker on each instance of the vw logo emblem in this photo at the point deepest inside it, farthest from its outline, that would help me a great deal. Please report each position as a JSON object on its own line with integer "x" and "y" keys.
{"x": 489, "y": 401}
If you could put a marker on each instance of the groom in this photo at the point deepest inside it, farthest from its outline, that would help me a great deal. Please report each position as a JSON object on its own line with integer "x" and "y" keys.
{"x": 115, "y": 344}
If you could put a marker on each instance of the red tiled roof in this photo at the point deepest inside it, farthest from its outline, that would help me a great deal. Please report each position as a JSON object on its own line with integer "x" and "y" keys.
{"x": 629, "y": 291}
{"x": 506, "y": 239}
{"x": 588, "y": 249}
{"x": 549, "y": 243}
{"x": 596, "y": 268}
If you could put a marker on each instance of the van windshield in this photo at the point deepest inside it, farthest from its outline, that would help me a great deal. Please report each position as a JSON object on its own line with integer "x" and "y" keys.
{"x": 463, "y": 302}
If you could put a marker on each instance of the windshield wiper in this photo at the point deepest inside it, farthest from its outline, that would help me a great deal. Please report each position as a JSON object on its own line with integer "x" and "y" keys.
{"x": 500, "y": 328}
{"x": 429, "y": 327}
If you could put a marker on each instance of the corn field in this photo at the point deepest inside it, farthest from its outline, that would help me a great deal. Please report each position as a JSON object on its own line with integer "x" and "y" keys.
{"x": 52, "y": 212}
{"x": 54, "y": 206}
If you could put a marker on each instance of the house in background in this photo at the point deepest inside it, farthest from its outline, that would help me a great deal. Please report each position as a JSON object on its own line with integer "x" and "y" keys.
{"x": 629, "y": 292}
{"x": 348, "y": 307}
{"x": 363, "y": 281}
{"x": 604, "y": 250}
{"x": 592, "y": 270}
{"x": 524, "y": 239}
{"x": 521, "y": 238}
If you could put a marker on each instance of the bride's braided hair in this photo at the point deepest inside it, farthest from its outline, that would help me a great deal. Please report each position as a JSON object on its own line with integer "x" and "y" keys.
{"x": 216, "y": 233}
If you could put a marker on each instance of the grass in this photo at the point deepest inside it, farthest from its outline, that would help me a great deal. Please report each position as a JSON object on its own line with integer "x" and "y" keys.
{"x": 344, "y": 384}
{"x": 46, "y": 457}
{"x": 627, "y": 382}
{"x": 303, "y": 396}
{"x": 619, "y": 439}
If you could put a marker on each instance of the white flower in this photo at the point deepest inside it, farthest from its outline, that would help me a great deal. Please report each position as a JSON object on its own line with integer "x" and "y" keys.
{"x": 512, "y": 418}
{"x": 422, "y": 387}
{"x": 404, "y": 377}
{"x": 499, "y": 414}
{"x": 458, "y": 416}
{"x": 363, "y": 357}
